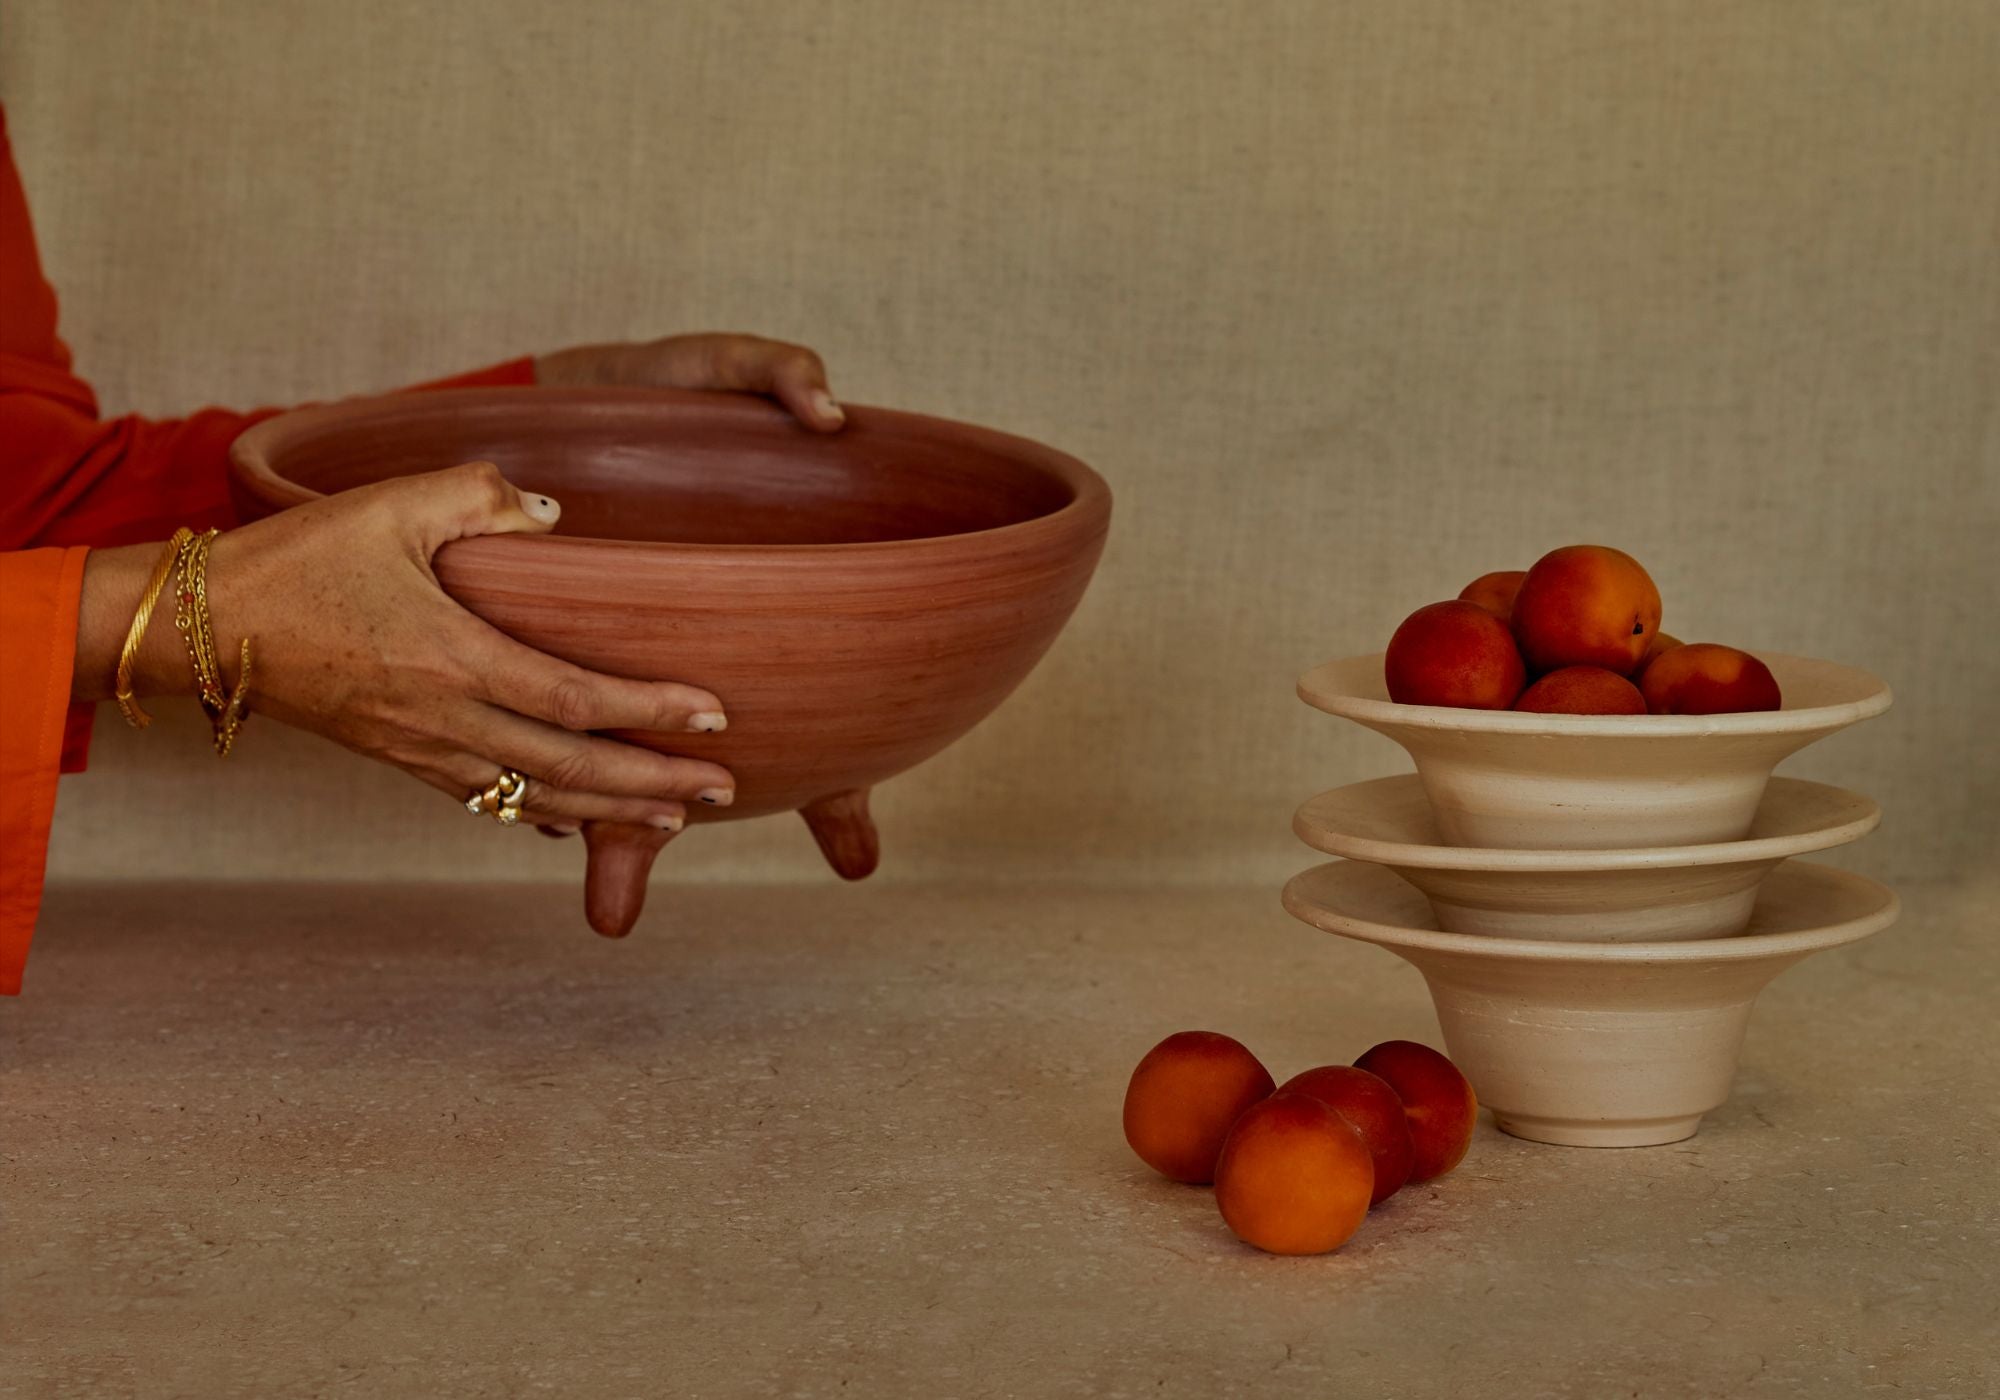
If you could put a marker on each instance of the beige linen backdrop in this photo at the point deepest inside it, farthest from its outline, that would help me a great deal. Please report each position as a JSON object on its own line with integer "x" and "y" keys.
{"x": 1350, "y": 302}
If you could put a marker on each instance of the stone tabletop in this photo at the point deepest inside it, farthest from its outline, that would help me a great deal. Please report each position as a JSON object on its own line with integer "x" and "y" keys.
{"x": 801, "y": 1140}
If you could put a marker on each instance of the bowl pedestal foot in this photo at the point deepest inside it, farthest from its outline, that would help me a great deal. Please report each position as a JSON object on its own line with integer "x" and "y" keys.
{"x": 845, "y": 832}
{"x": 614, "y": 886}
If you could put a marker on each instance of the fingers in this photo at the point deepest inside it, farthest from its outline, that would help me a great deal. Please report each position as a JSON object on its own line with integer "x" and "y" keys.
{"x": 798, "y": 381}
{"x": 473, "y": 499}
{"x": 571, "y": 762}
{"x": 792, "y": 374}
{"x": 553, "y": 810}
{"x": 533, "y": 683}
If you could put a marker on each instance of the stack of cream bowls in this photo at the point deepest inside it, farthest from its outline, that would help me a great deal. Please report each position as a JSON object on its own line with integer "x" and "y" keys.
{"x": 1594, "y": 901}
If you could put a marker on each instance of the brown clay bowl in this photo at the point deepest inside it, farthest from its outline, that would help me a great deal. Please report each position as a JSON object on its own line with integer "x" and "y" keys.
{"x": 858, "y": 601}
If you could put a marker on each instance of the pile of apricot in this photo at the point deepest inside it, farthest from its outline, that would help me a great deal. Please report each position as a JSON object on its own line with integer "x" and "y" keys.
{"x": 1578, "y": 634}
{"x": 1297, "y": 1166}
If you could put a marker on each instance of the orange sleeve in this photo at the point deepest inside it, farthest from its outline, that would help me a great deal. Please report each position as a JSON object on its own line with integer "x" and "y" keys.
{"x": 39, "y": 589}
{"x": 70, "y": 480}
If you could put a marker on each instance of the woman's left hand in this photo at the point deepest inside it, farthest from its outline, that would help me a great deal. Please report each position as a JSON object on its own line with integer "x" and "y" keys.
{"x": 747, "y": 364}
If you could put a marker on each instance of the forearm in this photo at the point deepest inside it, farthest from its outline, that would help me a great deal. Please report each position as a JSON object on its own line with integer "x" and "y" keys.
{"x": 114, "y": 580}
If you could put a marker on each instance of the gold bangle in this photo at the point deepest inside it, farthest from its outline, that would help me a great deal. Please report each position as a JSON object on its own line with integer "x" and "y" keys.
{"x": 136, "y": 634}
{"x": 225, "y": 710}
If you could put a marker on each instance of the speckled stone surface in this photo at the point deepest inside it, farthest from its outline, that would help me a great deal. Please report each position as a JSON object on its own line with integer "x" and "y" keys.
{"x": 817, "y": 1141}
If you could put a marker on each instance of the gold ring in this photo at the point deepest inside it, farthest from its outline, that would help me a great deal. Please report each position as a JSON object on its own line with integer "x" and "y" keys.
{"x": 502, "y": 801}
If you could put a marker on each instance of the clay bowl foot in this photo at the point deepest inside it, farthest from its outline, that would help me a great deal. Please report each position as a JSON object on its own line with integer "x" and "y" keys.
{"x": 614, "y": 882}
{"x": 1649, "y": 894}
{"x": 1596, "y": 1044}
{"x": 845, "y": 832}
{"x": 1504, "y": 780}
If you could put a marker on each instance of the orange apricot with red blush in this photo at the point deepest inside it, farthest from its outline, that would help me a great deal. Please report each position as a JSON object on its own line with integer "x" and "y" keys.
{"x": 1582, "y": 690}
{"x": 1495, "y": 592}
{"x": 1437, "y": 1100}
{"x": 1703, "y": 678}
{"x": 1373, "y": 1110}
{"x": 1586, "y": 605}
{"x": 1185, "y": 1096}
{"x": 1294, "y": 1176}
{"x": 1455, "y": 654}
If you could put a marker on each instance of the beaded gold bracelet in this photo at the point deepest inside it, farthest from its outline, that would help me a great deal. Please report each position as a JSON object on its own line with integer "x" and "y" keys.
{"x": 128, "y": 705}
{"x": 224, "y": 709}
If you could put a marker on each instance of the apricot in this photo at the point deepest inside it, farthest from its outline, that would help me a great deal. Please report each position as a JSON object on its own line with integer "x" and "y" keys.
{"x": 1662, "y": 641}
{"x": 1437, "y": 1100}
{"x": 1295, "y": 1177}
{"x": 1582, "y": 690}
{"x": 1702, "y": 678}
{"x": 1586, "y": 605}
{"x": 1455, "y": 654}
{"x": 1495, "y": 592}
{"x": 1373, "y": 1110}
{"x": 1184, "y": 1097}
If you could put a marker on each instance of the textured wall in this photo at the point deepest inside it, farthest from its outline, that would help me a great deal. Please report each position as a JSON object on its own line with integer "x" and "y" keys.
{"x": 1349, "y": 301}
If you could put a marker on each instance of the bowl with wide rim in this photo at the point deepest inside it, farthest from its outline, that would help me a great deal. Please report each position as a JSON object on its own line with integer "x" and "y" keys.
{"x": 1648, "y": 893}
{"x": 1597, "y": 1044}
{"x": 1503, "y": 779}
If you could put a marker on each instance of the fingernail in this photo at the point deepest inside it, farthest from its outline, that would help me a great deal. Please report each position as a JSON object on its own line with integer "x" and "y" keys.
{"x": 708, "y": 722}
{"x": 664, "y": 822}
{"x": 717, "y": 797}
{"x": 825, "y": 407}
{"x": 541, "y": 508}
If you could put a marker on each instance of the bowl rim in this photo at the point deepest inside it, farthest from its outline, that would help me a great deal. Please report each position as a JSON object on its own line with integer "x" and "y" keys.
{"x": 1875, "y": 907}
{"x": 1329, "y": 687}
{"x": 1089, "y": 505}
{"x": 1425, "y": 856}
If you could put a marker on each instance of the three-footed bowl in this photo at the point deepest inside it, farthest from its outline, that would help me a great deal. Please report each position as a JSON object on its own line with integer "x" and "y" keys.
{"x": 858, "y": 600}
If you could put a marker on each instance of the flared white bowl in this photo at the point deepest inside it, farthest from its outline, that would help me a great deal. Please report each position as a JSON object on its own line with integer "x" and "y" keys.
{"x": 1505, "y": 780}
{"x": 1652, "y": 893}
{"x": 1597, "y": 1044}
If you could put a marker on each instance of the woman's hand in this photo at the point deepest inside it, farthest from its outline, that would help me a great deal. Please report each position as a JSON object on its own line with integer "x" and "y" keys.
{"x": 747, "y": 364}
{"x": 352, "y": 638}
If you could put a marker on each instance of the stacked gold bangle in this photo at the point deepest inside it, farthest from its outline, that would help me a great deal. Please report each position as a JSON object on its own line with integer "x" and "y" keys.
{"x": 186, "y": 555}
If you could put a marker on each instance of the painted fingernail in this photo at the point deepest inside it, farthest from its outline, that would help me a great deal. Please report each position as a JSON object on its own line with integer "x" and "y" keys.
{"x": 664, "y": 822}
{"x": 542, "y": 508}
{"x": 716, "y": 797}
{"x": 825, "y": 407}
{"x": 708, "y": 722}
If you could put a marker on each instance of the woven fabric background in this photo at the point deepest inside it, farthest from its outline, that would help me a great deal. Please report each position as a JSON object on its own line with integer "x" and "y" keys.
{"x": 1349, "y": 301}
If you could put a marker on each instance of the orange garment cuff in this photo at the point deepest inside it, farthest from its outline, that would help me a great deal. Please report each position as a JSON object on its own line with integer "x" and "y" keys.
{"x": 40, "y": 590}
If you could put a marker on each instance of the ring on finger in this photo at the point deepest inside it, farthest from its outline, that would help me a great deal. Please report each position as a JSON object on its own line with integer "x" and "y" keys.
{"x": 502, "y": 801}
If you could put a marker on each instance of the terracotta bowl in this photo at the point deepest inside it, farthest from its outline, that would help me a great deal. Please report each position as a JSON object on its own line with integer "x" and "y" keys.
{"x": 1597, "y": 1044}
{"x": 1579, "y": 782}
{"x": 1654, "y": 893}
{"x": 858, "y": 600}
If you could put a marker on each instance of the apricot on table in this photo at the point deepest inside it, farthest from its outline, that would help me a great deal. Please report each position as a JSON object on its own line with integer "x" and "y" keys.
{"x": 1373, "y": 1110}
{"x": 1295, "y": 1177}
{"x": 1185, "y": 1095}
{"x": 1495, "y": 592}
{"x": 1582, "y": 690}
{"x": 1703, "y": 678}
{"x": 1455, "y": 654}
{"x": 1586, "y": 605}
{"x": 1662, "y": 641}
{"x": 1437, "y": 1100}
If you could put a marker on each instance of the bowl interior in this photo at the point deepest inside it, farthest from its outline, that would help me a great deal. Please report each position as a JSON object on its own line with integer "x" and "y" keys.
{"x": 682, "y": 468}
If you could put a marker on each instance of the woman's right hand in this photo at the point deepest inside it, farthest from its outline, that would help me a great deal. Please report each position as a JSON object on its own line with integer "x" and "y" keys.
{"x": 353, "y": 638}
